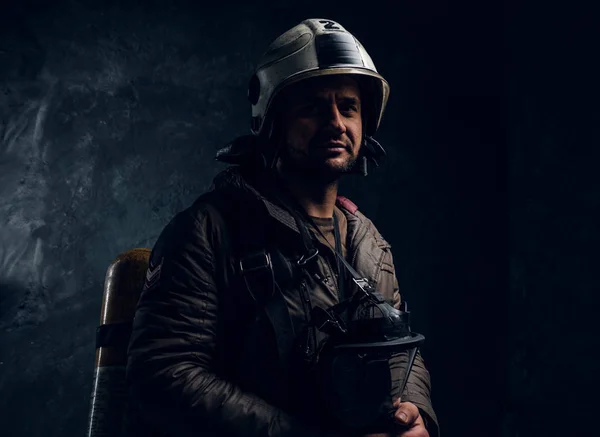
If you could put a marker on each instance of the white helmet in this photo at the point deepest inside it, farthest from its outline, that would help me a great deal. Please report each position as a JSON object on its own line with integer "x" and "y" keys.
{"x": 315, "y": 47}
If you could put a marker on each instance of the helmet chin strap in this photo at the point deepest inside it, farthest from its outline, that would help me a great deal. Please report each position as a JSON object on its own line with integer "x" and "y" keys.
{"x": 361, "y": 166}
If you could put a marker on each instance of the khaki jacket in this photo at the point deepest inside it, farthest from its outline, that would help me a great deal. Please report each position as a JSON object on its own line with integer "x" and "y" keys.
{"x": 202, "y": 359}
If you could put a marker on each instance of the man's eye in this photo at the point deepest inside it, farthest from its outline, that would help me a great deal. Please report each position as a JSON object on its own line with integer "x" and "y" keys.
{"x": 349, "y": 108}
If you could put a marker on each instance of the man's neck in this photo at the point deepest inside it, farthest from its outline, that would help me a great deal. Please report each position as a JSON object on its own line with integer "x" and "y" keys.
{"x": 316, "y": 197}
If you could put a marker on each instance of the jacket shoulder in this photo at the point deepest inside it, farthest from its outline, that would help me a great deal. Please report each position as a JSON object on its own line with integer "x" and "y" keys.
{"x": 372, "y": 229}
{"x": 347, "y": 204}
{"x": 350, "y": 207}
{"x": 209, "y": 205}
{"x": 202, "y": 220}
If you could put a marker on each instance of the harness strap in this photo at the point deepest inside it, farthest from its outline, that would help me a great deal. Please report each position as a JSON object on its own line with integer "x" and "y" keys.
{"x": 260, "y": 267}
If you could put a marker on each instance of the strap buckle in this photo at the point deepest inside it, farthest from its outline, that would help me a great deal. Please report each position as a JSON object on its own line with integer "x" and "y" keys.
{"x": 255, "y": 261}
{"x": 364, "y": 285}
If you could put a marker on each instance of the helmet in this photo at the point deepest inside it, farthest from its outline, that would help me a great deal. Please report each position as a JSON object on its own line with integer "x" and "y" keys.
{"x": 315, "y": 47}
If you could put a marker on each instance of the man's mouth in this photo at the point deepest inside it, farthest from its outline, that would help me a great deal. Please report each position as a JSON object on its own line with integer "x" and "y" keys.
{"x": 334, "y": 145}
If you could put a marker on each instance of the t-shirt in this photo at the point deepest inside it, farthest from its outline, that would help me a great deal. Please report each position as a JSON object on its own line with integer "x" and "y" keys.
{"x": 326, "y": 227}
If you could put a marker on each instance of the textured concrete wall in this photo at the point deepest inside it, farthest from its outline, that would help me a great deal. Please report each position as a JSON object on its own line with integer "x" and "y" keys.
{"x": 110, "y": 114}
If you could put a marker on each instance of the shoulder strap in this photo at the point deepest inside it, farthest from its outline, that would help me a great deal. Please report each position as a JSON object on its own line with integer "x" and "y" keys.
{"x": 260, "y": 267}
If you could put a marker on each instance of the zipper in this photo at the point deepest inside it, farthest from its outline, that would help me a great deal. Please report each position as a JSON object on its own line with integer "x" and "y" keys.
{"x": 330, "y": 271}
{"x": 335, "y": 280}
{"x": 305, "y": 299}
{"x": 307, "y": 303}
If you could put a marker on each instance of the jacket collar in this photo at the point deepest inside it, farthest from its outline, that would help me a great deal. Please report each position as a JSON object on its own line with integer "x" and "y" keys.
{"x": 241, "y": 181}
{"x": 366, "y": 245}
{"x": 235, "y": 179}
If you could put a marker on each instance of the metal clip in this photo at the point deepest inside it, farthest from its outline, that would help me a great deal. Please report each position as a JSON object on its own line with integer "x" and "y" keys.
{"x": 324, "y": 320}
{"x": 307, "y": 257}
{"x": 364, "y": 285}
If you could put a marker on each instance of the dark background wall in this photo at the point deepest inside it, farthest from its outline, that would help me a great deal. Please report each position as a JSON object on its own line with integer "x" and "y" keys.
{"x": 110, "y": 114}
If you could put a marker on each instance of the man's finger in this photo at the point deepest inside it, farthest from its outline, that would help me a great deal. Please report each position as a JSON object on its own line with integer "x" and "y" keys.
{"x": 417, "y": 429}
{"x": 406, "y": 413}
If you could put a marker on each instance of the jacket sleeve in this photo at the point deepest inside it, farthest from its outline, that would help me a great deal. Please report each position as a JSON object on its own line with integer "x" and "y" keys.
{"x": 418, "y": 386}
{"x": 171, "y": 357}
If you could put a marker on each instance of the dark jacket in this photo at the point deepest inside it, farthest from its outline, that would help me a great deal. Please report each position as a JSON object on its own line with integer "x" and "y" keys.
{"x": 201, "y": 358}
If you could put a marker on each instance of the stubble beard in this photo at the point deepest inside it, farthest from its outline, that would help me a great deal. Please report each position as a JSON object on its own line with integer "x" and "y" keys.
{"x": 310, "y": 167}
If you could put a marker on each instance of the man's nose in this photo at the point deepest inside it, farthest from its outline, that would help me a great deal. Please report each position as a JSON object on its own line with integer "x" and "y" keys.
{"x": 334, "y": 120}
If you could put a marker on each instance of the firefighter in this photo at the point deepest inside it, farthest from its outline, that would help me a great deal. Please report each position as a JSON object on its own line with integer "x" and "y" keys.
{"x": 226, "y": 340}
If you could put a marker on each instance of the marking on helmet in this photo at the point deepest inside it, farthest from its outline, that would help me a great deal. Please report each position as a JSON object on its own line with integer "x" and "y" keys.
{"x": 329, "y": 25}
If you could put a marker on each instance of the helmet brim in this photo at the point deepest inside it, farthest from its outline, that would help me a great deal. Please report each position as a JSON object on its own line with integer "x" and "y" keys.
{"x": 375, "y": 104}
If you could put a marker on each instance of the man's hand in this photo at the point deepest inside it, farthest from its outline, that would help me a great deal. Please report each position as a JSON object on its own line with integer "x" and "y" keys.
{"x": 408, "y": 417}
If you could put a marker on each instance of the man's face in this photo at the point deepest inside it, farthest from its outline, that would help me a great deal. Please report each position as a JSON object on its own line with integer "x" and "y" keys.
{"x": 322, "y": 126}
